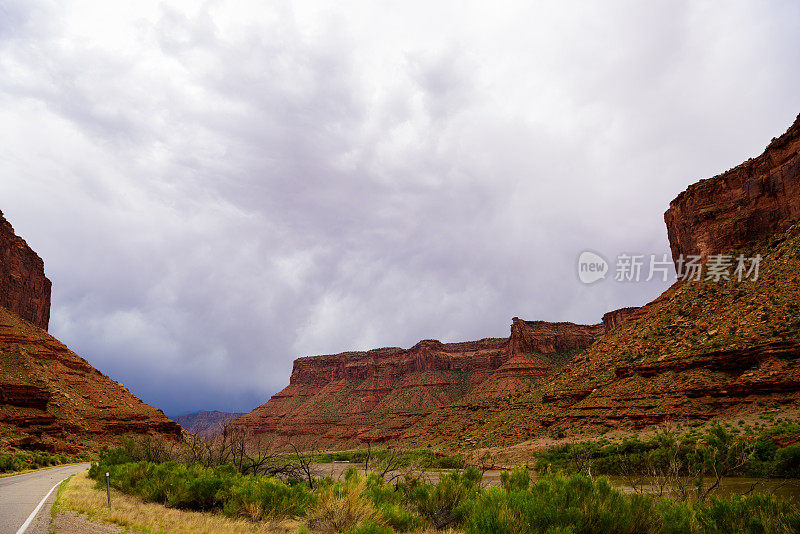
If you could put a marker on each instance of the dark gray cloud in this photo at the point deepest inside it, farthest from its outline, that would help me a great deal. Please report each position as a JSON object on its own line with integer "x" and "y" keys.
{"x": 217, "y": 189}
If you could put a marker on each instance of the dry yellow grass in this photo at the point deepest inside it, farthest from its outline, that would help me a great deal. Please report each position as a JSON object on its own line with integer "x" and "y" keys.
{"x": 337, "y": 511}
{"x": 79, "y": 494}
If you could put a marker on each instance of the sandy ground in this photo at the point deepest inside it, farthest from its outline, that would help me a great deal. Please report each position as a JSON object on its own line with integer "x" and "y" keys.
{"x": 336, "y": 470}
{"x": 69, "y": 522}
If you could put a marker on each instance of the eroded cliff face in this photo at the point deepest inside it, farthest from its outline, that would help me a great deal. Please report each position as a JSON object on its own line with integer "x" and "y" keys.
{"x": 549, "y": 338}
{"x": 50, "y": 398}
{"x": 355, "y": 397}
{"x": 24, "y": 289}
{"x": 740, "y": 207}
{"x": 615, "y": 317}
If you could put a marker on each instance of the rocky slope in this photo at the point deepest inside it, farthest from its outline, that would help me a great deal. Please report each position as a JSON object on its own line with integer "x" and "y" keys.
{"x": 50, "y": 398}
{"x": 702, "y": 350}
{"x": 24, "y": 289}
{"x": 355, "y": 397}
{"x": 53, "y": 399}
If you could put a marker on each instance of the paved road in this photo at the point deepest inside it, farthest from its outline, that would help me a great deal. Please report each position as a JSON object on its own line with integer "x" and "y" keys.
{"x": 21, "y": 494}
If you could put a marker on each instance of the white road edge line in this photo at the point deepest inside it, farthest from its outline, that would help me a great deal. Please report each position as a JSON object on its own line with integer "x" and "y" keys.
{"x": 31, "y": 517}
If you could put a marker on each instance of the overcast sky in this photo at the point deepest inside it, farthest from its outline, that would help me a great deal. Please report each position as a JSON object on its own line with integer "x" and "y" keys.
{"x": 218, "y": 188}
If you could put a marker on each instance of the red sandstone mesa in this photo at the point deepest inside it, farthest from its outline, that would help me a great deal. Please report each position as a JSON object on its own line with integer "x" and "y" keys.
{"x": 375, "y": 395}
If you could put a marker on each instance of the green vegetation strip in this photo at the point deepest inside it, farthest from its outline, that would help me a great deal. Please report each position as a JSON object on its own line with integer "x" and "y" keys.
{"x": 556, "y": 503}
{"x": 719, "y": 450}
{"x": 14, "y": 461}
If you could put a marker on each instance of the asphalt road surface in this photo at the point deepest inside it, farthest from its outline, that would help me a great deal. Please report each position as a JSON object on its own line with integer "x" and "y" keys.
{"x": 21, "y": 494}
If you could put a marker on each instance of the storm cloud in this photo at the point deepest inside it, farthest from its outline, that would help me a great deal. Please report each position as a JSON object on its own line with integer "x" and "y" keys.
{"x": 218, "y": 187}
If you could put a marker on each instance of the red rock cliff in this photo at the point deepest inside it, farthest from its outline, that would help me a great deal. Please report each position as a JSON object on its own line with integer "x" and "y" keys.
{"x": 758, "y": 198}
{"x": 51, "y": 398}
{"x": 24, "y": 289}
{"x": 374, "y": 395}
{"x": 549, "y": 338}
{"x": 615, "y": 317}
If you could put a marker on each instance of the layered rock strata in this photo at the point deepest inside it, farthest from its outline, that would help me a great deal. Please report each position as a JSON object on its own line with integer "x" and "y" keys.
{"x": 355, "y": 397}
{"x": 24, "y": 289}
{"x": 760, "y": 197}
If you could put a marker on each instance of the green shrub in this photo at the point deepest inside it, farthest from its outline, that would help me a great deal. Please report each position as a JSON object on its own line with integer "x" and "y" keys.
{"x": 343, "y": 506}
{"x": 557, "y": 503}
{"x": 12, "y": 460}
{"x": 787, "y": 461}
{"x": 445, "y": 503}
{"x": 518, "y": 479}
{"x": 750, "y": 514}
{"x": 573, "y": 502}
{"x": 260, "y": 497}
{"x": 675, "y": 517}
{"x": 447, "y": 462}
{"x": 399, "y": 518}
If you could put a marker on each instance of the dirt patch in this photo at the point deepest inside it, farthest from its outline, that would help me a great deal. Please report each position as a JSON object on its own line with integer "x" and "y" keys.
{"x": 68, "y": 522}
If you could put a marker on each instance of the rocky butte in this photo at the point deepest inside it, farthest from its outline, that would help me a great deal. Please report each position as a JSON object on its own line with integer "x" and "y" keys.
{"x": 51, "y": 398}
{"x": 700, "y": 350}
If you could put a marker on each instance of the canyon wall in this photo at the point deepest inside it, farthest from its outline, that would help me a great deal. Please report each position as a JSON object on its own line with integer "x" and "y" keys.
{"x": 51, "y": 398}
{"x": 549, "y": 338}
{"x": 374, "y": 395}
{"x": 615, "y": 317}
{"x": 701, "y": 350}
{"x": 737, "y": 208}
{"x": 24, "y": 289}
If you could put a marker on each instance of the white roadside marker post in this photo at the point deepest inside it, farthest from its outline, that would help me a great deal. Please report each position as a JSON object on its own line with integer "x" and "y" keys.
{"x": 108, "y": 489}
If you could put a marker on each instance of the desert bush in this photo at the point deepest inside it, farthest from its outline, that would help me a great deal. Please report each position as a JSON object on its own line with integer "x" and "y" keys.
{"x": 257, "y": 498}
{"x": 556, "y": 503}
{"x": 342, "y": 506}
{"x": 445, "y": 503}
{"x": 400, "y": 518}
{"x": 750, "y": 514}
{"x": 787, "y": 461}
{"x": 569, "y": 503}
{"x": 518, "y": 479}
{"x": 368, "y": 528}
{"x": 391, "y": 502}
{"x": 446, "y": 462}
{"x": 718, "y": 451}
{"x": 562, "y": 503}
